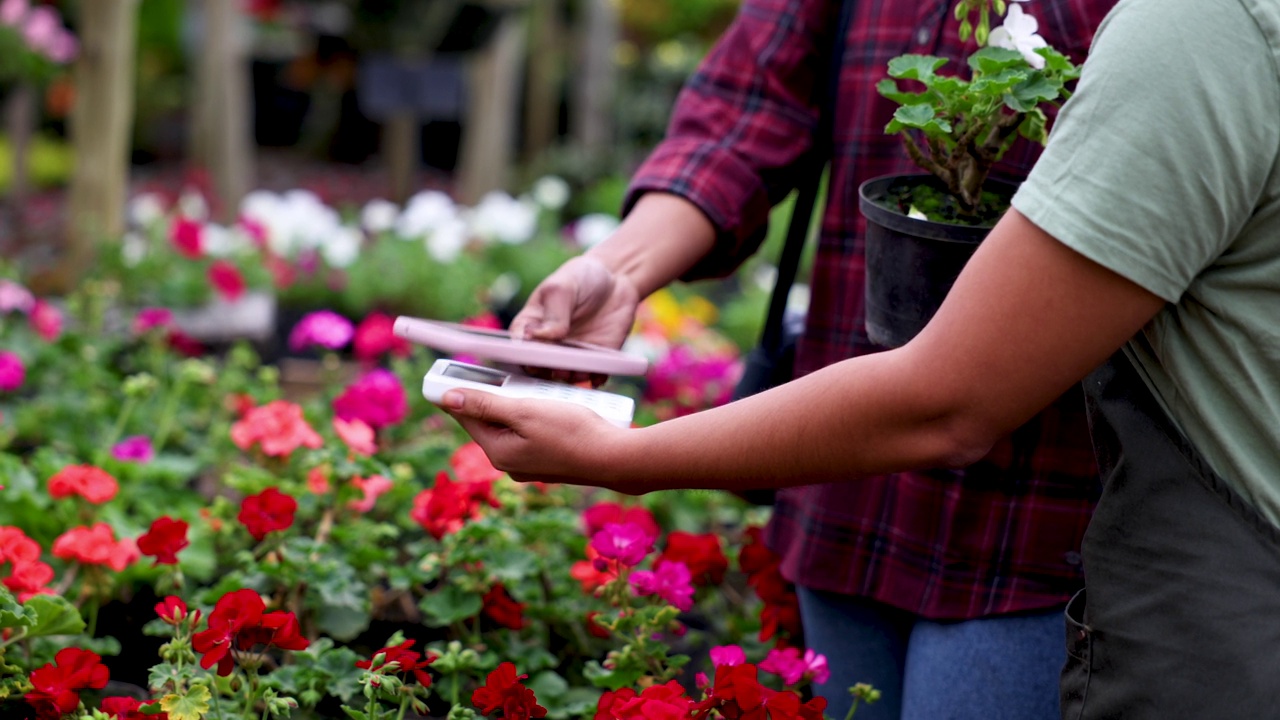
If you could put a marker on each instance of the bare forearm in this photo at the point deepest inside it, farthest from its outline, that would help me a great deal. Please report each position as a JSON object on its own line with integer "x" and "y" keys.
{"x": 663, "y": 236}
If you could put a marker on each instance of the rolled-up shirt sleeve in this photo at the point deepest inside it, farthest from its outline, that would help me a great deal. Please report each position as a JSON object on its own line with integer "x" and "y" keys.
{"x": 743, "y": 125}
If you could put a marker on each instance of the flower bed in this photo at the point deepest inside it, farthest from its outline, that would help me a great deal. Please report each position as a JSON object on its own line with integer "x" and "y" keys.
{"x": 177, "y": 539}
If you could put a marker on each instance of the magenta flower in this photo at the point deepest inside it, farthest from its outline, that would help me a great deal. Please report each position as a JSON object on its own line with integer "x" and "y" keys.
{"x": 12, "y": 12}
{"x": 46, "y": 320}
{"x": 152, "y": 318}
{"x": 12, "y": 371}
{"x": 792, "y": 668}
{"x": 727, "y": 656}
{"x": 377, "y": 398}
{"x": 15, "y": 297}
{"x": 670, "y": 581}
{"x": 134, "y": 449}
{"x": 627, "y": 543}
{"x": 324, "y": 329}
{"x": 41, "y": 27}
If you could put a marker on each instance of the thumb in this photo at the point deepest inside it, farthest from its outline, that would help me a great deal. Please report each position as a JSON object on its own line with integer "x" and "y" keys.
{"x": 557, "y": 303}
{"x": 478, "y": 405}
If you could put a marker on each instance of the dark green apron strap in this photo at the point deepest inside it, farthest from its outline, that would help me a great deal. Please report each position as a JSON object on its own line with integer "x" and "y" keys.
{"x": 1182, "y": 613}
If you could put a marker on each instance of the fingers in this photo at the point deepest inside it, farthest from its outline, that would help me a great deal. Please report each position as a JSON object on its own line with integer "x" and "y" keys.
{"x": 557, "y": 302}
{"x": 479, "y": 405}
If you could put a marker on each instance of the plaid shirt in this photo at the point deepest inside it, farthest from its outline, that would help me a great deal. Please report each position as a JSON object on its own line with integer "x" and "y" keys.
{"x": 1000, "y": 536}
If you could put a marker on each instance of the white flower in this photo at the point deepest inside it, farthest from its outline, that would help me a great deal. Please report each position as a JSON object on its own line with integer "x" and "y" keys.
{"x": 425, "y": 212}
{"x": 501, "y": 217}
{"x": 551, "y": 192}
{"x": 191, "y": 204}
{"x": 146, "y": 209}
{"x": 342, "y": 247}
{"x": 593, "y": 229}
{"x": 448, "y": 239}
{"x": 379, "y": 216}
{"x": 1019, "y": 33}
{"x": 218, "y": 241}
{"x": 133, "y": 249}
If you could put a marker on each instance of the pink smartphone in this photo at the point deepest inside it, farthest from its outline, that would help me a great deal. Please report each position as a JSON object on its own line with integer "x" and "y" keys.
{"x": 500, "y": 346}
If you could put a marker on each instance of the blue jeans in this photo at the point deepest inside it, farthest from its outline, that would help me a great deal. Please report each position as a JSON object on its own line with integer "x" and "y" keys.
{"x": 993, "y": 668}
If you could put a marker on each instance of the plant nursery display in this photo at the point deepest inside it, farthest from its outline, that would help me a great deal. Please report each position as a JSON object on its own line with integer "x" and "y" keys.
{"x": 181, "y": 539}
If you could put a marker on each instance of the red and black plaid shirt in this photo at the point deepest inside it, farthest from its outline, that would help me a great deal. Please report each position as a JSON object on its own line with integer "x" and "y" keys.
{"x": 1000, "y": 536}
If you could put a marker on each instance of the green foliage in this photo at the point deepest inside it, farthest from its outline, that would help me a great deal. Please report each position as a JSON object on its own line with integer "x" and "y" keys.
{"x": 49, "y": 162}
{"x": 956, "y": 128}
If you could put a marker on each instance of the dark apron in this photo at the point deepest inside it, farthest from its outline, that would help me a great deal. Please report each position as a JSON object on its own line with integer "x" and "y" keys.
{"x": 1182, "y": 618}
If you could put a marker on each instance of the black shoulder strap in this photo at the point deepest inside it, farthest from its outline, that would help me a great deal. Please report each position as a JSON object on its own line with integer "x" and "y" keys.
{"x": 798, "y": 231}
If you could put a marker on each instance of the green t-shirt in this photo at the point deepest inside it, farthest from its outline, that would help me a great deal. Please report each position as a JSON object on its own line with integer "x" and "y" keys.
{"x": 1163, "y": 168}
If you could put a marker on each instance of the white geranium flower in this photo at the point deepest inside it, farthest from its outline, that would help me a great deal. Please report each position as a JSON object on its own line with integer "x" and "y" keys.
{"x": 593, "y": 229}
{"x": 145, "y": 210}
{"x": 379, "y": 216}
{"x": 505, "y": 219}
{"x": 425, "y": 211}
{"x": 446, "y": 241}
{"x": 1019, "y": 33}
{"x": 191, "y": 204}
{"x": 551, "y": 192}
{"x": 217, "y": 240}
{"x": 342, "y": 247}
{"x": 133, "y": 249}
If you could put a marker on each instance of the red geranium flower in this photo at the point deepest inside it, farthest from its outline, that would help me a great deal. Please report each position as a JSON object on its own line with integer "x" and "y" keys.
{"x": 700, "y": 553}
{"x": 164, "y": 540}
{"x": 238, "y": 622}
{"x": 470, "y": 464}
{"x": 591, "y": 576}
{"x": 227, "y": 280}
{"x": 266, "y": 512}
{"x": 55, "y": 688}
{"x": 95, "y": 545}
{"x": 172, "y": 609}
{"x": 500, "y": 607}
{"x": 128, "y": 708}
{"x": 277, "y": 427}
{"x": 656, "y": 702}
{"x": 91, "y": 483}
{"x": 406, "y": 660}
{"x": 502, "y": 691}
{"x": 447, "y": 506}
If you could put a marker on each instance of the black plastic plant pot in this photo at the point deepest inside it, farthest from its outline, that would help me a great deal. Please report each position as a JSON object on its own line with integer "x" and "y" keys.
{"x": 911, "y": 262}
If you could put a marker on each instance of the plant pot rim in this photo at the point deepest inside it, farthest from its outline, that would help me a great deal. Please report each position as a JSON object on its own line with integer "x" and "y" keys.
{"x": 872, "y": 191}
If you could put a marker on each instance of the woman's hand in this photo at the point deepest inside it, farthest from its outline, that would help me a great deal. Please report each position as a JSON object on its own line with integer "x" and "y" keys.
{"x": 541, "y": 440}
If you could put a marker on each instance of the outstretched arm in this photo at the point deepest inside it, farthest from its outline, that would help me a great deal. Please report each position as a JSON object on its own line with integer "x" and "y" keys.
{"x": 1027, "y": 318}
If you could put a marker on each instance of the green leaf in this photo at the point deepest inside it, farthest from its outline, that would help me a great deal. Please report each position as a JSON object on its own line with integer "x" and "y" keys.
{"x": 915, "y": 67}
{"x": 191, "y": 706}
{"x": 511, "y": 564}
{"x": 449, "y": 605}
{"x": 922, "y": 117}
{"x": 1031, "y": 92}
{"x": 548, "y": 685}
{"x": 611, "y": 679}
{"x": 13, "y": 614}
{"x": 55, "y": 615}
{"x": 889, "y": 89}
{"x": 992, "y": 60}
{"x": 354, "y": 714}
{"x": 1034, "y": 126}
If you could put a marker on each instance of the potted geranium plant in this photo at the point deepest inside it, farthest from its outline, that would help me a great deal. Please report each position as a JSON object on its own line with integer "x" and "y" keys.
{"x": 922, "y": 228}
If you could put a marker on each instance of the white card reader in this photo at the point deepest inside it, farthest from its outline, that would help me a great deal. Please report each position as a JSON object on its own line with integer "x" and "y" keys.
{"x": 446, "y": 374}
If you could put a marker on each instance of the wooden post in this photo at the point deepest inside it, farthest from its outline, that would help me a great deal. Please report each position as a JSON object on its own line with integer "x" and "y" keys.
{"x": 101, "y": 126}
{"x": 592, "y": 124}
{"x": 19, "y": 121}
{"x": 488, "y": 141}
{"x": 542, "y": 105}
{"x": 221, "y": 139}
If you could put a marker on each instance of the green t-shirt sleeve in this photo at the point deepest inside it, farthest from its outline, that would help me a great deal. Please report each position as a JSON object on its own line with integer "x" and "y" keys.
{"x": 1155, "y": 164}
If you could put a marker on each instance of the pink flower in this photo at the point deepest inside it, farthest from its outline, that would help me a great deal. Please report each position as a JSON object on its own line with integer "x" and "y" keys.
{"x": 152, "y": 318}
{"x": 787, "y": 664}
{"x": 670, "y": 581}
{"x": 627, "y": 543}
{"x": 374, "y": 338}
{"x": 377, "y": 398}
{"x": 46, "y": 320}
{"x": 601, "y": 514}
{"x": 727, "y": 655}
{"x": 323, "y": 329}
{"x": 357, "y": 435}
{"x": 14, "y": 296}
{"x": 88, "y": 481}
{"x": 136, "y": 448}
{"x": 62, "y": 48}
{"x": 42, "y": 27}
{"x": 12, "y": 371}
{"x": 187, "y": 237}
{"x": 12, "y": 12}
{"x": 373, "y": 487}
{"x": 318, "y": 480}
{"x": 226, "y": 280}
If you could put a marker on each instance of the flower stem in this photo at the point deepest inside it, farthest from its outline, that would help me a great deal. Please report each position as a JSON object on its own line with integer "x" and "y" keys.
{"x": 170, "y": 411}
{"x": 404, "y": 705}
{"x": 853, "y": 709}
{"x": 121, "y": 420}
